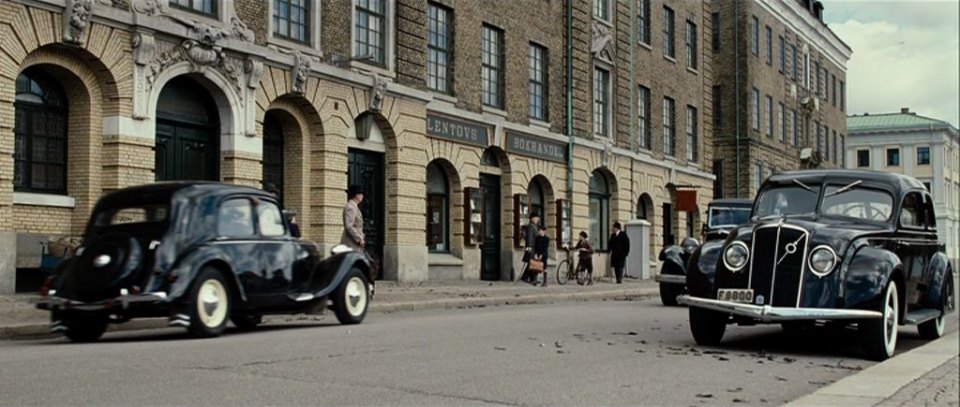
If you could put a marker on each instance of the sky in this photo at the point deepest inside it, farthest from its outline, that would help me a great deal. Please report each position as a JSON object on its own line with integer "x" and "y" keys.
{"x": 906, "y": 53}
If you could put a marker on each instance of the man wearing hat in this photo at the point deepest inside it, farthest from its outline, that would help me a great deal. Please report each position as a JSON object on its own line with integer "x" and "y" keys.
{"x": 529, "y": 242}
{"x": 353, "y": 219}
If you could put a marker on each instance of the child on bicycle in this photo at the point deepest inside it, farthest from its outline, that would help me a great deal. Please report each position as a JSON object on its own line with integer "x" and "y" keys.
{"x": 585, "y": 252}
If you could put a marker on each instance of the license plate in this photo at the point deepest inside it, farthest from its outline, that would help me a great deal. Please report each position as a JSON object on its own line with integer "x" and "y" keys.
{"x": 735, "y": 295}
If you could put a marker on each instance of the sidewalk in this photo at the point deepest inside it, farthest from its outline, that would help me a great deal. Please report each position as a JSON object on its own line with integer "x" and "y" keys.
{"x": 19, "y": 317}
{"x": 925, "y": 376}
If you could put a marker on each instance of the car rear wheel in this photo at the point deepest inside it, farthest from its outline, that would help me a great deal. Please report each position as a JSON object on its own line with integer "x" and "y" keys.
{"x": 210, "y": 304}
{"x": 880, "y": 335}
{"x": 933, "y": 328}
{"x": 669, "y": 293}
{"x": 246, "y": 322}
{"x": 84, "y": 328}
{"x": 352, "y": 298}
{"x": 707, "y": 326}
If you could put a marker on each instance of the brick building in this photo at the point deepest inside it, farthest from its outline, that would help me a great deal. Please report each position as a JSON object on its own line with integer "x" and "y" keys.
{"x": 779, "y": 91}
{"x": 452, "y": 114}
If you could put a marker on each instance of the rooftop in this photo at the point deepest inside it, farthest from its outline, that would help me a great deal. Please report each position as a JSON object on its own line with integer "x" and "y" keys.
{"x": 905, "y": 120}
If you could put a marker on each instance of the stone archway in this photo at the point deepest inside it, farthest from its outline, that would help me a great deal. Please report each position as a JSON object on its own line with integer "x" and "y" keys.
{"x": 187, "y": 132}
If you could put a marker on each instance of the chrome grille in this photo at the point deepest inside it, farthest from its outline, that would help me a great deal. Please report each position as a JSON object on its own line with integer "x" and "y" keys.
{"x": 778, "y": 258}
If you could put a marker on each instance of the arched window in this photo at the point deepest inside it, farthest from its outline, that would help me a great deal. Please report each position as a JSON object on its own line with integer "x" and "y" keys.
{"x": 273, "y": 151}
{"x": 537, "y": 200}
{"x": 40, "y": 134}
{"x": 599, "y": 209}
{"x": 438, "y": 213}
{"x": 645, "y": 208}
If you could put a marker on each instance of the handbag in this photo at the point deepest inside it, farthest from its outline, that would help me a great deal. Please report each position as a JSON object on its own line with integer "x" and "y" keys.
{"x": 536, "y": 265}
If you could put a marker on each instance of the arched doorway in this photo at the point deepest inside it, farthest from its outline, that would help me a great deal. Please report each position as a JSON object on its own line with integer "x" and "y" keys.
{"x": 599, "y": 209}
{"x": 492, "y": 175}
{"x": 40, "y": 134}
{"x": 438, "y": 209}
{"x": 538, "y": 199}
{"x": 188, "y": 130}
{"x": 273, "y": 156}
{"x": 645, "y": 208}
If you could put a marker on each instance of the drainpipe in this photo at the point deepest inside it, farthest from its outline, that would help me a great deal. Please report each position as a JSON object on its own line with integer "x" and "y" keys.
{"x": 633, "y": 95}
{"x": 570, "y": 111}
{"x": 736, "y": 82}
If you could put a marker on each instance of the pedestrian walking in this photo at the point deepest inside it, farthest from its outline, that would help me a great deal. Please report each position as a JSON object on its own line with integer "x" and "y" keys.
{"x": 619, "y": 246}
{"x": 541, "y": 251}
{"x": 353, "y": 220}
{"x": 530, "y": 239}
{"x": 585, "y": 254}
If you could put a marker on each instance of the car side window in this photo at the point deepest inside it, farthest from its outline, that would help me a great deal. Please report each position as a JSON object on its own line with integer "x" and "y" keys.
{"x": 235, "y": 218}
{"x": 931, "y": 216}
{"x": 270, "y": 218}
{"x": 910, "y": 211}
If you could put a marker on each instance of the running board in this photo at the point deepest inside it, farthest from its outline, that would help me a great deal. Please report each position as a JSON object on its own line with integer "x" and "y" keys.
{"x": 920, "y": 316}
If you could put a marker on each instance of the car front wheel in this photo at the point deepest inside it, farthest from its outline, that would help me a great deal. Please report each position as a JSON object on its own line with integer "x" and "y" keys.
{"x": 210, "y": 304}
{"x": 880, "y": 335}
{"x": 933, "y": 328}
{"x": 707, "y": 326}
{"x": 352, "y": 298}
{"x": 669, "y": 293}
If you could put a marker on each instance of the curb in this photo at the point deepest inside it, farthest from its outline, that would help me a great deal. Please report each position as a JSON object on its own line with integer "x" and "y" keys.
{"x": 42, "y": 330}
{"x": 881, "y": 381}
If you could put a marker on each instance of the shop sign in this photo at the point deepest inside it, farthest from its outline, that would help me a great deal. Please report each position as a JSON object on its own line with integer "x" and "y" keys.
{"x": 457, "y": 130}
{"x": 533, "y": 146}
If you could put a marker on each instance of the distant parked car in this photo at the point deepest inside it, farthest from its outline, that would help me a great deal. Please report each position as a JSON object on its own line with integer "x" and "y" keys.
{"x": 854, "y": 247}
{"x": 722, "y": 216}
{"x": 199, "y": 254}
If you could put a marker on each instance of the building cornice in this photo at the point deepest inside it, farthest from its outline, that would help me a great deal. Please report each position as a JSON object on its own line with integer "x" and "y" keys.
{"x": 814, "y": 32}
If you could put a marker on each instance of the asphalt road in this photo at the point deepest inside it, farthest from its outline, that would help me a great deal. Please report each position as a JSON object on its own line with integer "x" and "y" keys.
{"x": 586, "y": 353}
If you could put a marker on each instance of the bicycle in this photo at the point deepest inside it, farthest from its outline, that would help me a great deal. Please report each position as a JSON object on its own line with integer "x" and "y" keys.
{"x": 566, "y": 271}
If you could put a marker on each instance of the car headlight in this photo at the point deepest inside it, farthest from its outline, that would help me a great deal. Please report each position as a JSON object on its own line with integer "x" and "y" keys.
{"x": 735, "y": 256}
{"x": 822, "y": 260}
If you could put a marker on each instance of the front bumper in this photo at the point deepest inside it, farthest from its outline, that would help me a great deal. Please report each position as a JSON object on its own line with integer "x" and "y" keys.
{"x": 123, "y": 302}
{"x": 767, "y": 313}
{"x": 671, "y": 279}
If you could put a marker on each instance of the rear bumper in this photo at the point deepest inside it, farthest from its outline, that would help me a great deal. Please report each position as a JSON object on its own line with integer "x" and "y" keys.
{"x": 767, "y": 313}
{"x": 124, "y": 301}
{"x": 671, "y": 279}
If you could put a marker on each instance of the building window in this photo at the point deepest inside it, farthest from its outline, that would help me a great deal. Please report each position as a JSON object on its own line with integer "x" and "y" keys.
{"x": 819, "y": 145}
{"x": 836, "y": 152}
{"x": 643, "y": 120}
{"x": 796, "y": 67}
{"x": 371, "y": 31}
{"x": 601, "y": 102}
{"x": 668, "y": 38}
{"x": 643, "y": 21}
{"x": 439, "y": 48}
{"x": 755, "y": 106}
{"x": 538, "y": 82}
{"x": 40, "y": 134}
{"x": 833, "y": 89}
{"x": 273, "y": 152}
{"x": 783, "y": 55}
{"x": 599, "y": 209}
{"x": 755, "y": 37}
{"x": 693, "y": 142}
{"x": 691, "y": 45}
{"x": 718, "y": 179}
{"x": 438, "y": 209}
{"x": 758, "y": 169}
{"x": 843, "y": 151}
{"x": 816, "y": 66}
{"x": 492, "y": 66}
{"x": 715, "y": 19}
{"x": 601, "y": 9}
{"x": 923, "y": 155}
{"x": 783, "y": 123}
{"x": 291, "y": 20}
{"x": 769, "y": 33}
{"x": 826, "y": 143}
{"x": 669, "y": 121}
{"x": 843, "y": 97}
{"x": 769, "y": 116}
{"x": 796, "y": 127}
{"x": 863, "y": 158}
{"x": 717, "y": 106}
{"x": 893, "y": 157}
{"x": 826, "y": 85}
{"x": 208, "y": 7}
{"x": 806, "y": 69}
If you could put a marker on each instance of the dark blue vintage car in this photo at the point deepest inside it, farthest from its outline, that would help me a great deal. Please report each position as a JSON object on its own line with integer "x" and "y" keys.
{"x": 854, "y": 247}
{"x": 722, "y": 216}
{"x": 199, "y": 254}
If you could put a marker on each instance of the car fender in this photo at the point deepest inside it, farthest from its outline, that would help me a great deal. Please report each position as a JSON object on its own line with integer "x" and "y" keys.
{"x": 189, "y": 265}
{"x": 866, "y": 274}
{"x": 936, "y": 278}
{"x": 672, "y": 260}
{"x": 339, "y": 265}
{"x": 702, "y": 269}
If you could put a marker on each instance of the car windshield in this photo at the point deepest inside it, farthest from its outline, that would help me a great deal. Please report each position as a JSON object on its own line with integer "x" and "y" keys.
{"x": 854, "y": 201}
{"x": 133, "y": 215}
{"x": 788, "y": 199}
{"x": 728, "y": 216}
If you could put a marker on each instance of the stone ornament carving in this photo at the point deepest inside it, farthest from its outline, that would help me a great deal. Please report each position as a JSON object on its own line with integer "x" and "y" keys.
{"x": 148, "y": 7}
{"x": 240, "y": 30}
{"x": 377, "y": 92}
{"x": 301, "y": 67}
{"x": 76, "y": 19}
{"x": 254, "y": 69}
{"x": 602, "y": 45}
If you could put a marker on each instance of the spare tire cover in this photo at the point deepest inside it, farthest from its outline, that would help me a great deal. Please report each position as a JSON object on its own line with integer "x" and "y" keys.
{"x": 107, "y": 264}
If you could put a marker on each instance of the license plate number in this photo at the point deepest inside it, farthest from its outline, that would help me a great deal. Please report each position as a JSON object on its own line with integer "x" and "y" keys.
{"x": 735, "y": 295}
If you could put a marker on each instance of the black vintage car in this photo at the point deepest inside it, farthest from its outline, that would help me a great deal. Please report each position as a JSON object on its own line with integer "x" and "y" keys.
{"x": 722, "y": 216}
{"x": 199, "y": 254}
{"x": 851, "y": 247}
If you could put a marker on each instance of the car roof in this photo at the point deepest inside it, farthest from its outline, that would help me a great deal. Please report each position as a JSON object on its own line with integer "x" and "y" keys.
{"x": 167, "y": 190}
{"x": 899, "y": 183}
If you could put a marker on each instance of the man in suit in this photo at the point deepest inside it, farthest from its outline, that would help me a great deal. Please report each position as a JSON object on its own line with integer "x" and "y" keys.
{"x": 530, "y": 238}
{"x": 619, "y": 246}
{"x": 353, "y": 220}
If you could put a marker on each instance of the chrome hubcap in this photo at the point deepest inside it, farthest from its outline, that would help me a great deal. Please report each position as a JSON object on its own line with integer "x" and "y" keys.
{"x": 356, "y": 293}
{"x": 890, "y": 320}
{"x": 212, "y": 303}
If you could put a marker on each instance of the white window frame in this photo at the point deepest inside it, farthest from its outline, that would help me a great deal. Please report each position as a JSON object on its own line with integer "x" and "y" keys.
{"x": 312, "y": 46}
{"x": 389, "y": 53}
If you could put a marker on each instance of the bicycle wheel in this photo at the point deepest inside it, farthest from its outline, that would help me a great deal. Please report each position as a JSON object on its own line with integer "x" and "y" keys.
{"x": 563, "y": 272}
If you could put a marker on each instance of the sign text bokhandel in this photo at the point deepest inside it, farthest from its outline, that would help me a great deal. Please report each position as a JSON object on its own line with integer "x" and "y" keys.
{"x": 536, "y": 147}
{"x": 456, "y": 130}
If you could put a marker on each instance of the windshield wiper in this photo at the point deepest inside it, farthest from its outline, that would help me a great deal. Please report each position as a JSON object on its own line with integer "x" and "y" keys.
{"x": 802, "y": 185}
{"x": 845, "y": 189}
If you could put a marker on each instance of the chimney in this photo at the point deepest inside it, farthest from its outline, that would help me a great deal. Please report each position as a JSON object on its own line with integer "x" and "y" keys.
{"x": 904, "y": 110}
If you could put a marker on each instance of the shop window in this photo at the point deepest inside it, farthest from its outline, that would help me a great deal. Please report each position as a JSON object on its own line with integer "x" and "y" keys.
{"x": 438, "y": 209}
{"x": 599, "y": 209}
{"x": 40, "y": 134}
